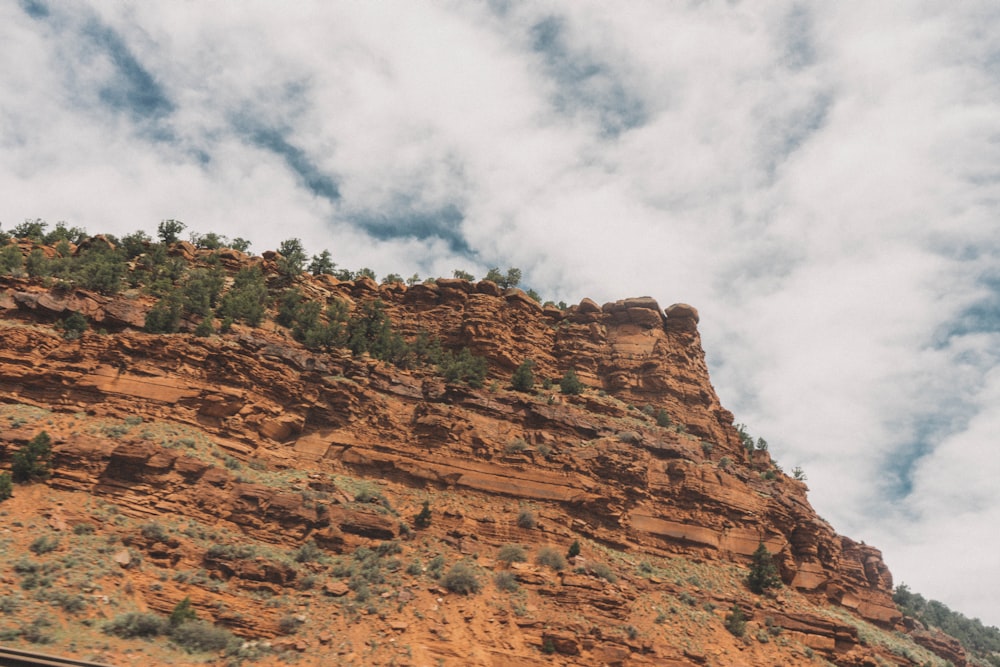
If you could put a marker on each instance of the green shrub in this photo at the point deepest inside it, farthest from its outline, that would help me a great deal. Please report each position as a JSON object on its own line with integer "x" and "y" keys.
{"x": 512, "y": 553}
{"x": 570, "y": 384}
{"x": 136, "y": 624}
{"x": 44, "y": 544}
{"x": 505, "y": 581}
{"x": 182, "y": 613}
{"x": 574, "y": 549}
{"x": 31, "y": 461}
{"x": 308, "y": 552}
{"x": 246, "y": 299}
{"x": 602, "y": 571}
{"x": 423, "y": 518}
{"x": 524, "y": 377}
{"x": 526, "y": 519}
{"x": 662, "y": 418}
{"x": 164, "y": 316}
{"x": 516, "y": 446}
{"x": 73, "y": 326}
{"x": 462, "y": 368}
{"x": 763, "y": 572}
{"x": 736, "y": 621}
{"x": 289, "y": 624}
{"x": 551, "y": 558}
{"x": 154, "y": 532}
{"x": 6, "y": 486}
{"x": 200, "y": 636}
{"x": 461, "y": 578}
{"x": 11, "y": 259}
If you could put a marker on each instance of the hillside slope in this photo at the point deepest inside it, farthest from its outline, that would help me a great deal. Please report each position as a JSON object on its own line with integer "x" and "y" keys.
{"x": 275, "y": 482}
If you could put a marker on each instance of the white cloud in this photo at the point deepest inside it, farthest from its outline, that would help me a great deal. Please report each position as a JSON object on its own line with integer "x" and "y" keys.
{"x": 819, "y": 180}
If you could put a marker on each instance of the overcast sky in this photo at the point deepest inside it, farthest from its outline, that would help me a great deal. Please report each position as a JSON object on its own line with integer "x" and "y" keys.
{"x": 819, "y": 179}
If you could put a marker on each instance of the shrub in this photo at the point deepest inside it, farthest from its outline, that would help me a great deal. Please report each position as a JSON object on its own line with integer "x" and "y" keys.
{"x": 182, "y": 613}
{"x": 31, "y": 461}
{"x": 574, "y": 549}
{"x": 463, "y": 367}
{"x": 662, "y": 418}
{"x": 602, "y": 571}
{"x": 73, "y": 326}
{"x": 136, "y": 624}
{"x": 570, "y": 384}
{"x": 423, "y": 518}
{"x": 505, "y": 581}
{"x": 763, "y": 573}
{"x": 44, "y": 545}
{"x": 308, "y": 552}
{"x": 199, "y": 636}
{"x": 436, "y": 566}
{"x": 736, "y": 621}
{"x": 512, "y": 553}
{"x": 6, "y": 486}
{"x": 551, "y": 558}
{"x": 164, "y": 316}
{"x": 11, "y": 259}
{"x": 461, "y": 578}
{"x": 526, "y": 519}
{"x": 154, "y": 532}
{"x": 290, "y": 624}
{"x": 246, "y": 299}
{"x": 524, "y": 378}
{"x": 516, "y": 446}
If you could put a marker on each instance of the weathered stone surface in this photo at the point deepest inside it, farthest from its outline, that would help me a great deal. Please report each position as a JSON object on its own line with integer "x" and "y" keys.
{"x": 594, "y": 468}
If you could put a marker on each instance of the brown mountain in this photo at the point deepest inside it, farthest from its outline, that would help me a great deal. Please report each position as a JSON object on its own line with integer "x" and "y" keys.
{"x": 276, "y": 483}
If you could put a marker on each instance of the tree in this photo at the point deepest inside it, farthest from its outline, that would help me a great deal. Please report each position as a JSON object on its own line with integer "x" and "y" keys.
{"x": 6, "y": 488}
{"x": 763, "y": 572}
{"x": 201, "y": 291}
{"x": 293, "y": 257}
{"x": 322, "y": 263}
{"x": 464, "y": 367}
{"x": 511, "y": 279}
{"x": 240, "y": 244}
{"x": 30, "y": 229}
{"x": 170, "y": 230}
{"x": 31, "y": 461}
{"x": 524, "y": 378}
{"x": 574, "y": 549}
{"x": 246, "y": 299}
{"x": 11, "y": 259}
{"x": 165, "y": 316}
{"x": 463, "y": 275}
{"x": 423, "y": 518}
{"x": 135, "y": 244}
{"x": 570, "y": 384}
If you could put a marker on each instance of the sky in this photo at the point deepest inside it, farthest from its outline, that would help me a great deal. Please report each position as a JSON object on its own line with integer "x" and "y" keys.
{"x": 821, "y": 180}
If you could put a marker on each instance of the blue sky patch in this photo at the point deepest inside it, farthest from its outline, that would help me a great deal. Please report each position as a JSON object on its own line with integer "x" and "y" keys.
{"x": 585, "y": 85}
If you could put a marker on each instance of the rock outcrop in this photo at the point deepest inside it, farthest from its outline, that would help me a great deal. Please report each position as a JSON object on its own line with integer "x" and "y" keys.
{"x": 599, "y": 467}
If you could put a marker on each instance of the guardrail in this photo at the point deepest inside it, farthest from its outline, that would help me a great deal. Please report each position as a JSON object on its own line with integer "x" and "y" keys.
{"x": 12, "y": 657}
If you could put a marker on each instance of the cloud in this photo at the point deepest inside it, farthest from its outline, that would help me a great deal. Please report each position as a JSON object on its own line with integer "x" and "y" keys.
{"x": 821, "y": 181}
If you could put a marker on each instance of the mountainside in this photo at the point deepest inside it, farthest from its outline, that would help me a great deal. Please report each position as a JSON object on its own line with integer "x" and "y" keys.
{"x": 273, "y": 473}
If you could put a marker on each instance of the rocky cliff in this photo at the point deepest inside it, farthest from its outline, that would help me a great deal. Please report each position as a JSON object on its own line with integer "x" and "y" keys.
{"x": 276, "y": 487}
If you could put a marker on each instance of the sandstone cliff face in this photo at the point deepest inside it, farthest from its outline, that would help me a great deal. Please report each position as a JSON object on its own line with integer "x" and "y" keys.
{"x": 593, "y": 467}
